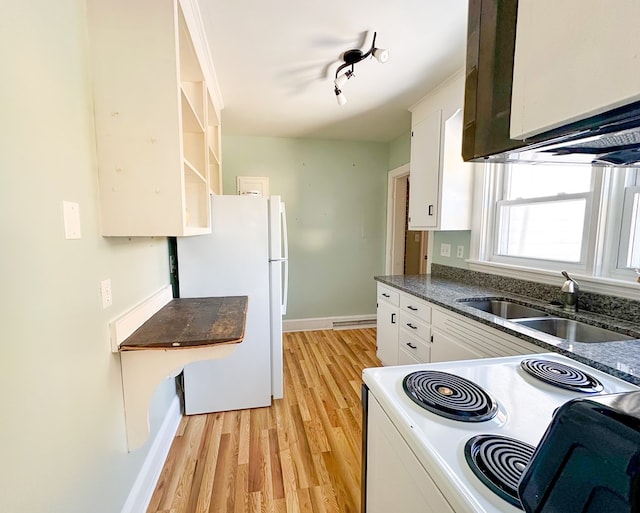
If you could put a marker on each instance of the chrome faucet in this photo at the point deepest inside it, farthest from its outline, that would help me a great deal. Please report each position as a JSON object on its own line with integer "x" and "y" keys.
{"x": 569, "y": 293}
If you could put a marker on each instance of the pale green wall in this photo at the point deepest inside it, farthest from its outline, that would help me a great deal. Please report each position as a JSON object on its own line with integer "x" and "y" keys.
{"x": 455, "y": 238}
{"x": 400, "y": 150}
{"x": 335, "y": 195}
{"x": 62, "y": 433}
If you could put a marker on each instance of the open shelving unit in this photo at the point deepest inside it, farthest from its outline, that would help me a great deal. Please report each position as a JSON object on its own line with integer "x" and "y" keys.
{"x": 214, "y": 157}
{"x": 157, "y": 107}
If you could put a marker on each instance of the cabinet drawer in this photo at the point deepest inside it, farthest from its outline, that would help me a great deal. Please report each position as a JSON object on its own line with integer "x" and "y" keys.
{"x": 414, "y": 326}
{"x": 416, "y": 307}
{"x": 415, "y": 346}
{"x": 405, "y": 358}
{"x": 389, "y": 295}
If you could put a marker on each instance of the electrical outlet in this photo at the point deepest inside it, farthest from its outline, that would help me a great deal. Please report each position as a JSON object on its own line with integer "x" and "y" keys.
{"x": 105, "y": 292}
{"x": 460, "y": 253}
{"x": 445, "y": 250}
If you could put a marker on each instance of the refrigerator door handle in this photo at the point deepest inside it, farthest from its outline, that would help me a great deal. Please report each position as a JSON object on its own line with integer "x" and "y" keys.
{"x": 285, "y": 292}
{"x": 285, "y": 257}
{"x": 285, "y": 241}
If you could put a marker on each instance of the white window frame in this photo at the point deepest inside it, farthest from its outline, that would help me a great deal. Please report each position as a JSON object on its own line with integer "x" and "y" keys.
{"x": 622, "y": 183}
{"x": 599, "y": 272}
{"x": 497, "y": 184}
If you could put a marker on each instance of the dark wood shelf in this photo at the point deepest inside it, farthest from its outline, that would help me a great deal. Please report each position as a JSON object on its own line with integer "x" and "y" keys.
{"x": 192, "y": 322}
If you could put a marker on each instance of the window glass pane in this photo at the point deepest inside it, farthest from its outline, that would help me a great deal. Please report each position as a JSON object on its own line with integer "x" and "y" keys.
{"x": 527, "y": 181}
{"x": 633, "y": 255}
{"x": 547, "y": 231}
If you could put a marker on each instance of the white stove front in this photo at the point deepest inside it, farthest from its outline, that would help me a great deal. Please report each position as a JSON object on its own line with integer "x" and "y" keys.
{"x": 525, "y": 409}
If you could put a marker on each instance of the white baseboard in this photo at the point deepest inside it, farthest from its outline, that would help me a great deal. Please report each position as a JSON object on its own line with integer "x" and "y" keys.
{"x": 330, "y": 323}
{"x": 145, "y": 484}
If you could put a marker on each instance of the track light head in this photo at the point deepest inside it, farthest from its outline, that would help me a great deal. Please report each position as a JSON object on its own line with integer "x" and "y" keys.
{"x": 340, "y": 97}
{"x": 381, "y": 55}
{"x": 342, "y": 79}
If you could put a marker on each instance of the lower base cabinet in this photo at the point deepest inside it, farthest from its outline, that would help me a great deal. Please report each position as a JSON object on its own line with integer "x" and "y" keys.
{"x": 387, "y": 333}
{"x": 456, "y": 337}
{"x": 446, "y": 348}
{"x": 395, "y": 479}
{"x": 411, "y": 330}
{"x": 388, "y": 302}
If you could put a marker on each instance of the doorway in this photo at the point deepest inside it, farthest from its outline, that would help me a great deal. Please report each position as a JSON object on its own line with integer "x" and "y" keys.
{"x": 406, "y": 249}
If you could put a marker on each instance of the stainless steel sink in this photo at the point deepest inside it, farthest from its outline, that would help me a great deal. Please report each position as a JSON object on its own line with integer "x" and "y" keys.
{"x": 572, "y": 331}
{"x": 505, "y": 309}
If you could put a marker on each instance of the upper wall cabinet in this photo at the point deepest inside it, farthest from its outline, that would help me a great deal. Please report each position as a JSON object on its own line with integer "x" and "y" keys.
{"x": 157, "y": 114}
{"x": 573, "y": 59}
{"x": 440, "y": 182}
{"x": 425, "y": 172}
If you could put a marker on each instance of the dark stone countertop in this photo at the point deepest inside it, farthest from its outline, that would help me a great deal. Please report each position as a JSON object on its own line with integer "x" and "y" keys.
{"x": 185, "y": 323}
{"x": 621, "y": 359}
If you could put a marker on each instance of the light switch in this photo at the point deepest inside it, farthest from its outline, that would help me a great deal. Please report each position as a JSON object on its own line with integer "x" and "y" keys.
{"x": 71, "y": 215}
{"x": 445, "y": 250}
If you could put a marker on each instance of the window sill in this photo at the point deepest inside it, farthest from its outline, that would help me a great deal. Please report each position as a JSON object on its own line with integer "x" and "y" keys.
{"x": 607, "y": 286}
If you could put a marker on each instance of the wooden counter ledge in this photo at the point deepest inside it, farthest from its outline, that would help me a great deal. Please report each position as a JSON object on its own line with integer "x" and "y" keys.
{"x": 191, "y": 322}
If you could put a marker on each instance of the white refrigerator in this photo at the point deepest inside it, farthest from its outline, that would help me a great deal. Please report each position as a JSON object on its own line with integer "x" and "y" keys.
{"x": 244, "y": 255}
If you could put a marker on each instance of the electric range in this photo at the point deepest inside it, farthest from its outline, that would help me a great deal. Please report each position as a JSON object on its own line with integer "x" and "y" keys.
{"x": 460, "y": 417}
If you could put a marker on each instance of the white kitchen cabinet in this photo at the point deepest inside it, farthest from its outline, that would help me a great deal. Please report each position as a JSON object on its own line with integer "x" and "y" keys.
{"x": 456, "y": 337}
{"x": 448, "y": 348}
{"x": 414, "y": 339}
{"x": 157, "y": 117}
{"x": 424, "y": 172}
{"x": 573, "y": 59}
{"x": 395, "y": 479}
{"x": 440, "y": 182}
{"x": 388, "y": 301}
{"x": 412, "y": 330}
{"x": 403, "y": 327}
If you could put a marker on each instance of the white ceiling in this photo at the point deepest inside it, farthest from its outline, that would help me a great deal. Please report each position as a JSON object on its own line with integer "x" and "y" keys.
{"x": 276, "y": 61}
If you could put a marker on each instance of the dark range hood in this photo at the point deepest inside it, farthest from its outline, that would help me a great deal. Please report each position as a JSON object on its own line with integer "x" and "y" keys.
{"x": 610, "y": 138}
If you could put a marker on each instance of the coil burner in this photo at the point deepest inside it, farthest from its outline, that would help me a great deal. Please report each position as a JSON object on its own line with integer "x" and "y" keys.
{"x": 450, "y": 396}
{"x": 561, "y": 375}
{"x": 499, "y": 462}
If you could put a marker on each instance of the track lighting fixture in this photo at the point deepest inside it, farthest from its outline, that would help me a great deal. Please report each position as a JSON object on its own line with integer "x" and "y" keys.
{"x": 352, "y": 57}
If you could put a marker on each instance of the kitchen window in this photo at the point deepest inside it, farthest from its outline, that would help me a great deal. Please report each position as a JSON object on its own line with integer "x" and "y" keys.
{"x": 536, "y": 220}
{"x": 541, "y": 216}
{"x": 624, "y": 224}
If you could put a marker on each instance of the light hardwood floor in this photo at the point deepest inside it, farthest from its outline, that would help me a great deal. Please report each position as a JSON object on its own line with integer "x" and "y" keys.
{"x": 302, "y": 454}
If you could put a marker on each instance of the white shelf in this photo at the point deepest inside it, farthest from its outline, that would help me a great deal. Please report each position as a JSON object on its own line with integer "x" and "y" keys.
{"x": 154, "y": 117}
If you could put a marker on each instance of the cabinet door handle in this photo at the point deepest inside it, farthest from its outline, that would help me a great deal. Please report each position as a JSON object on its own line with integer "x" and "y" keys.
{"x": 412, "y": 308}
{"x": 411, "y": 345}
{"x": 430, "y": 210}
{"x": 393, "y": 318}
{"x": 385, "y": 295}
{"x": 412, "y": 326}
